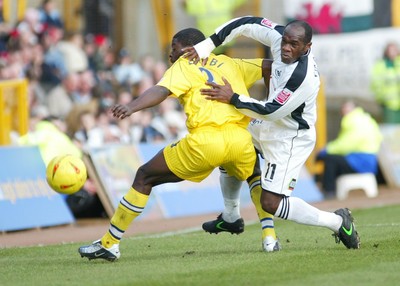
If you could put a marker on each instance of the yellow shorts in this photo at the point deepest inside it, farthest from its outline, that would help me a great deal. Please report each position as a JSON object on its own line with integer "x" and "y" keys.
{"x": 194, "y": 157}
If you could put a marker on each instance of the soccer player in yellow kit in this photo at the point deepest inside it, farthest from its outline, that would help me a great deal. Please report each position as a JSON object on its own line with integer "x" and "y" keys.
{"x": 218, "y": 135}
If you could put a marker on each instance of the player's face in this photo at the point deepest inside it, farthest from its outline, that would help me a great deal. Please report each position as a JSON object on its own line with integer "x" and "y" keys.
{"x": 292, "y": 45}
{"x": 176, "y": 51}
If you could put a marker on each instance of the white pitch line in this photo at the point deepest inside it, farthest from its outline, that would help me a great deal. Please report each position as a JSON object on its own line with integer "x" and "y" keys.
{"x": 166, "y": 234}
{"x": 177, "y": 232}
{"x": 194, "y": 229}
{"x": 379, "y": 224}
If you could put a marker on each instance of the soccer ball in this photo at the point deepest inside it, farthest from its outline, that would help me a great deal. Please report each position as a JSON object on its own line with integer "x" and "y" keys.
{"x": 66, "y": 174}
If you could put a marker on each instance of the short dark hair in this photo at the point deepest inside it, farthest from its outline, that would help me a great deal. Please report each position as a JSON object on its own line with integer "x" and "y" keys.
{"x": 308, "y": 31}
{"x": 189, "y": 37}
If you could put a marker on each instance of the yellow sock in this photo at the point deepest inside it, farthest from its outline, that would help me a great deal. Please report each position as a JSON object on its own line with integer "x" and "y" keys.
{"x": 266, "y": 219}
{"x": 130, "y": 206}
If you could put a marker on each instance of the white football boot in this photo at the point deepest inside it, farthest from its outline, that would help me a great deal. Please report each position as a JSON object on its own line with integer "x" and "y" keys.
{"x": 270, "y": 244}
{"x": 96, "y": 251}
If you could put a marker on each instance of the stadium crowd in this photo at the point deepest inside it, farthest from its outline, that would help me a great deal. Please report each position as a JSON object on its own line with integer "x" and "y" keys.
{"x": 76, "y": 78}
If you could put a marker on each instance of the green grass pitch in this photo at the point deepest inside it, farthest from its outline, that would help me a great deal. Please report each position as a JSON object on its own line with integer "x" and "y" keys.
{"x": 309, "y": 257}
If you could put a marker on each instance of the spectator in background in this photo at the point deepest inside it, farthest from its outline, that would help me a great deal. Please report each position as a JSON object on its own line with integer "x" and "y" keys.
{"x": 385, "y": 83}
{"x": 354, "y": 150}
{"x": 38, "y": 48}
{"x": 84, "y": 99}
{"x": 124, "y": 96}
{"x": 152, "y": 68}
{"x": 150, "y": 132}
{"x": 30, "y": 27}
{"x": 75, "y": 58}
{"x": 136, "y": 128}
{"x": 105, "y": 74}
{"x": 127, "y": 72}
{"x": 85, "y": 90}
{"x": 49, "y": 14}
{"x": 107, "y": 94}
{"x": 32, "y": 60}
{"x": 90, "y": 134}
{"x": 60, "y": 99}
{"x": 169, "y": 121}
{"x": 125, "y": 132}
{"x": 109, "y": 126}
{"x": 153, "y": 71}
{"x": 147, "y": 63}
{"x": 96, "y": 131}
{"x": 53, "y": 68}
{"x": 5, "y": 30}
{"x": 36, "y": 94}
{"x": 210, "y": 14}
{"x": 12, "y": 67}
{"x": 95, "y": 47}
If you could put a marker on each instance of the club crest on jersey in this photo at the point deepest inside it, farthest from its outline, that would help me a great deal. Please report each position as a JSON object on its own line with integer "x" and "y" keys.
{"x": 283, "y": 96}
{"x": 292, "y": 184}
{"x": 267, "y": 23}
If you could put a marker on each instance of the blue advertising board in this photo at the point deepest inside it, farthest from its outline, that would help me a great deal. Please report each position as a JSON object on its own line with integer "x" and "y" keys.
{"x": 26, "y": 200}
{"x": 116, "y": 165}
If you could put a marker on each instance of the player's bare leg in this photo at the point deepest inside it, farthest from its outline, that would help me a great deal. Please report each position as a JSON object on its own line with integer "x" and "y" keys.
{"x": 151, "y": 174}
{"x": 296, "y": 209}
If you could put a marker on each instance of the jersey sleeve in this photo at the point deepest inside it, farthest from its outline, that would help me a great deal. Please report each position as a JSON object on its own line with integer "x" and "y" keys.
{"x": 175, "y": 78}
{"x": 260, "y": 29}
{"x": 251, "y": 70}
{"x": 271, "y": 110}
{"x": 284, "y": 100}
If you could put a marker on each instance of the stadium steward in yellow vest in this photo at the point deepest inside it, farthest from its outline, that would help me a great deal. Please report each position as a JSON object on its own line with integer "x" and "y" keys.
{"x": 354, "y": 150}
{"x": 385, "y": 83}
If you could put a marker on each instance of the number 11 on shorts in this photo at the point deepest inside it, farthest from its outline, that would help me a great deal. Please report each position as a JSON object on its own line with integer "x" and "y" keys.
{"x": 269, "y": 174}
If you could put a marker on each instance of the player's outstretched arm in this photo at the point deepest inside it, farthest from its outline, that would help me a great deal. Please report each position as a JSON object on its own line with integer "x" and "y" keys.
{"x": 149, "y": 98}
{"x": 257, "y": 28}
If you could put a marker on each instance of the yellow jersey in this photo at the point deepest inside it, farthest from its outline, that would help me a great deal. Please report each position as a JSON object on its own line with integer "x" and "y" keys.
{"x": 184, "y": 80}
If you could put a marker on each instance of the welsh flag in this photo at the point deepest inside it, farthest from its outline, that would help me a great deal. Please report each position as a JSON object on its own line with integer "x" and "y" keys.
{"x": 338, "y": 16}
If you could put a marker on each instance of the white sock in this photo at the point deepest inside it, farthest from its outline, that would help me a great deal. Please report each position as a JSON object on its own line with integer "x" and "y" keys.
{"x": 230, "y": 187}
{"x": 295, "y": 209}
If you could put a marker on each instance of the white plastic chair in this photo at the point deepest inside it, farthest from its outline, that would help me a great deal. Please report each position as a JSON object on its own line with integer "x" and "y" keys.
{"x": 366, "y": 182}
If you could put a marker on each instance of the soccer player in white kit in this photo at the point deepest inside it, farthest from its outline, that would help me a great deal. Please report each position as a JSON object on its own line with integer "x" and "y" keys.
{"x": 283, "y": 126}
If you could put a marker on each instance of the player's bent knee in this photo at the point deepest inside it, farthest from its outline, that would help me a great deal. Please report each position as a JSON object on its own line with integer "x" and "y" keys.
{"x": 268, "y": 207}
{"x": 140, "y": 177}
{"x": 270, "y": 202}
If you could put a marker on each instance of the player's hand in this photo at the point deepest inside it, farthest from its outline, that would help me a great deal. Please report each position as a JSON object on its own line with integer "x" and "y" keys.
{"x": 121, "y": 111}
{"x": 191, "y": 55}
{"x": 221, "y": 93}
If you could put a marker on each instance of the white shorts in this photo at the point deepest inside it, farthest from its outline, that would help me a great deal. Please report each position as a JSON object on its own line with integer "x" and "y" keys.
{"x": 285, "y": 151}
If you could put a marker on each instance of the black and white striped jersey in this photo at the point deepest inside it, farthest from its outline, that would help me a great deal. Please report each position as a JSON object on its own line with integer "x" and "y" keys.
{"x": 293, "y": 87}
